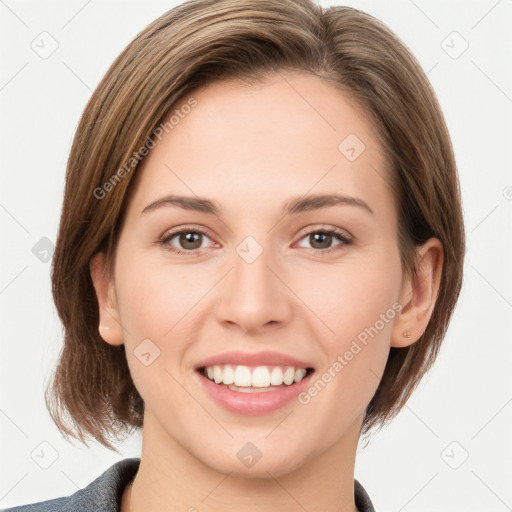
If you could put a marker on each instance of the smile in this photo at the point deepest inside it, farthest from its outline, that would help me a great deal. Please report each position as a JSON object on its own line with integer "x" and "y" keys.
{"x": 254, "y": 379}
{"x": 253, "y": 390}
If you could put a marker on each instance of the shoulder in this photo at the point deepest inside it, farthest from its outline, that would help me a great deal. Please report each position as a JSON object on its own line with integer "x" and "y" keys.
{"x": 363, "y": 501}
{"x": 101, "y": 495}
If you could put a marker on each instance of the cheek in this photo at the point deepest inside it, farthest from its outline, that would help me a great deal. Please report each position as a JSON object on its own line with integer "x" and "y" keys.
{"x": 154, "y": 297}
{"x": 160, "y": 310}
{"x": 359, "y": 316}
{"x": 352, "y": 296}
{"x": 153, "y": 307}
{"x": 356, "y": 305}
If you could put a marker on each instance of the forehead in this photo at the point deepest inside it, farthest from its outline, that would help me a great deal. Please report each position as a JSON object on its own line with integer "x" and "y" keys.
{"x": 287, "y": 134}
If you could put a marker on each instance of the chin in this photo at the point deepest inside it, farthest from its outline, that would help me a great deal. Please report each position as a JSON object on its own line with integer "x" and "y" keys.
{"x": 275, "y": 464}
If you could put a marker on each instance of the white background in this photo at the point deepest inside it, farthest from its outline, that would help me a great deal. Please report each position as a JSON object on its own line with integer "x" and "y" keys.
{"x": 467, "y": 398}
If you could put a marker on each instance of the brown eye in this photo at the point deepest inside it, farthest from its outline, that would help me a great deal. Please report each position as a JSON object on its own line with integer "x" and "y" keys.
{"x": 184, "y": 241}
{"x": 190, "y": 240}
{"x": 322, "y": 240}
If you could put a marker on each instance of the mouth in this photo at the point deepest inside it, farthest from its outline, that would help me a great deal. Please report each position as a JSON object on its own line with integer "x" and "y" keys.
{"x": 255, "y": 383}
{"x": 254, "y": 379}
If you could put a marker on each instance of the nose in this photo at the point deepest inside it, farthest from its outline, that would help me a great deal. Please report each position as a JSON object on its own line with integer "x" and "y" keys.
{"x": 254, "y": 296}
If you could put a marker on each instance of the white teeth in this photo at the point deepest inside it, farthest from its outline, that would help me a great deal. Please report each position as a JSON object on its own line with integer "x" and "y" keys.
{"x": 299, "y": 374}
{"x": 258, "y": 377}
{"x": 229, "y": 375}
{"x": 288, "y": 376}
{"x": 242, "y": 376}
{"x": 276, "y": 377}
{"x": 217, "y": 374}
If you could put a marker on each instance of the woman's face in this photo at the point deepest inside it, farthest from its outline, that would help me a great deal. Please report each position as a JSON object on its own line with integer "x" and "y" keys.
{"x": 255, "y": 276}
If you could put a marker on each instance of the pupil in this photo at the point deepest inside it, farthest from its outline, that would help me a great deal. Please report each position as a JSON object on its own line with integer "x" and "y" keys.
{"x": 321, "y": 237}
{"x": 188, "y": 239}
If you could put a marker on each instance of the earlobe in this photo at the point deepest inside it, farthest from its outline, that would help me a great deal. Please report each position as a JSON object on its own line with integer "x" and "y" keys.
{"x": 109, "y": 321}
{"x": 419, "y": 295}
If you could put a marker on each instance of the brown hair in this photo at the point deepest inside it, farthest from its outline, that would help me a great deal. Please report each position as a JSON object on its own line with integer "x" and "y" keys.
{"x": 203, "y": 41}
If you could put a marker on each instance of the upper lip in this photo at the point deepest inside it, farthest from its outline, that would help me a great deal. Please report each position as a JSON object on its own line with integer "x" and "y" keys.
{"x": 265, "y": 358}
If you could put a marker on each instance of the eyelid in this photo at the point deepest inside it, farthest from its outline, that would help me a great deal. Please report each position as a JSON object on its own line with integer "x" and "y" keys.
{"x": 325, "y": 227}
{"x": 186, "y": 227}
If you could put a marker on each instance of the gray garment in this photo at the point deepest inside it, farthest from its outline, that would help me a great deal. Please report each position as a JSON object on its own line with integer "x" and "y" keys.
{"x": 104, "y": 493}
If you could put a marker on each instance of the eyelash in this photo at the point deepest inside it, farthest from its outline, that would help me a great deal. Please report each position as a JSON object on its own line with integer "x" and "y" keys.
{"x": 164, "y": 241}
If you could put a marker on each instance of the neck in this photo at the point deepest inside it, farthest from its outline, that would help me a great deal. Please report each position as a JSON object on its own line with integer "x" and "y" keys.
{"x": 172, "y": 478}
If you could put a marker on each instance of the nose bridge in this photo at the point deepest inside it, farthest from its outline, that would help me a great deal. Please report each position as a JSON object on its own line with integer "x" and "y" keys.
{"x": 252, "y": 295}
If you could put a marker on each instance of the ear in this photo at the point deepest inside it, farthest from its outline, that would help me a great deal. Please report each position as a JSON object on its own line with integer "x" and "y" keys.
{"x": 110, "y": 328}
{"x": 418, "y": 295}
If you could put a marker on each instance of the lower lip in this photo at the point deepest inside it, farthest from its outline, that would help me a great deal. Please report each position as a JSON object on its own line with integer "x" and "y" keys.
{"x": 252, "y": 403}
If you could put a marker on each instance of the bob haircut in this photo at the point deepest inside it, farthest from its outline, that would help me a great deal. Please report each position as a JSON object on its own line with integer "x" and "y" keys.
{"x": 91, "y": 392}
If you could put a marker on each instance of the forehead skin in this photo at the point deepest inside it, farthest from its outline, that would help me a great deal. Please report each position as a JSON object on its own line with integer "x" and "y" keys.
{"x": 284, "y": 142}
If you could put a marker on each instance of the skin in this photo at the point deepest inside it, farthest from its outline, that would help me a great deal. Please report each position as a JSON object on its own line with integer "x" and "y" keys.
{"x": 251, "y": 148}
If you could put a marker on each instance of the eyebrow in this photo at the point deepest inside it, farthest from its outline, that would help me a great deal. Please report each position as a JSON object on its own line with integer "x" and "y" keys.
{"x": 294, "y": 206}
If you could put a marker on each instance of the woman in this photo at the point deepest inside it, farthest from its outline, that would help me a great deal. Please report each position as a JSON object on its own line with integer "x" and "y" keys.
{"x": 260, "y": 250}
